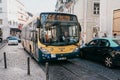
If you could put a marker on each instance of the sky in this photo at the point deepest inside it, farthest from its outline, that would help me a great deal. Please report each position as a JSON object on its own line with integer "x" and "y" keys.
{"x": 38, "y": 6}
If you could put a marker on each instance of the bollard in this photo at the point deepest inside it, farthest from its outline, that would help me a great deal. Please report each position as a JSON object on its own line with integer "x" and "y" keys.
{"x": 47, "y": 69}
{"x": 5, "y": 62}
{"x": 28, "y": 65}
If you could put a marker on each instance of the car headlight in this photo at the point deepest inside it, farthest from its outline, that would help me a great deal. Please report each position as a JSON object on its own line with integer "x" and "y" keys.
{"x": 115, "y": 53}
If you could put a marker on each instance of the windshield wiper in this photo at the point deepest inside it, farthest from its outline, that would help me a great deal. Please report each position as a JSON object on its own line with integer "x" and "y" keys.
{"x": 75, "y": 44}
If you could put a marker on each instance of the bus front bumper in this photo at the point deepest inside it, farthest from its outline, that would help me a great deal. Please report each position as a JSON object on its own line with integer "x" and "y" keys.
{"x": 52, "y": 57}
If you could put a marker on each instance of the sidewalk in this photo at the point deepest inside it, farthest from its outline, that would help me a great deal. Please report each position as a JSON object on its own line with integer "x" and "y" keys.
{"x": 2, "y": 44}
{"x": 17, "y": 65}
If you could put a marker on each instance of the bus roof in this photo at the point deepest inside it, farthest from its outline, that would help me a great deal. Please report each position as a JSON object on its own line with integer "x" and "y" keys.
{"x": 57, "y": 13}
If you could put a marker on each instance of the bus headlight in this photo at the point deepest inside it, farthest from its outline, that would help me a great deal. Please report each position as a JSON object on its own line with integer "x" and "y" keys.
{"x": 45, "y": 51}
{"x": 76, "y": 50}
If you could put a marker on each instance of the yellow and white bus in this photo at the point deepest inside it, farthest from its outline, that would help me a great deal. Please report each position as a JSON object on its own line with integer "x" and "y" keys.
{"x": 52, "y": 36}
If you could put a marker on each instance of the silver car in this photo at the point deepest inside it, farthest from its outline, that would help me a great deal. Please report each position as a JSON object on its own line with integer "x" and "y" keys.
{"x": 12, "y": 41}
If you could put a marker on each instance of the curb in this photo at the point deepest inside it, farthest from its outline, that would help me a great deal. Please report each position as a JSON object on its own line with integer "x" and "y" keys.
{"x": 2, "y": 45}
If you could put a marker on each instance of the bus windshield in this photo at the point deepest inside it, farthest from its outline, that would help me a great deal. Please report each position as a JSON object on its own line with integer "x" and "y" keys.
{"x": 59, "y": 32}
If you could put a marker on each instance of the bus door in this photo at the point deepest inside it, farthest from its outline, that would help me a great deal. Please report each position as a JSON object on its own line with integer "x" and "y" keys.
{"x": 35, "y": 45}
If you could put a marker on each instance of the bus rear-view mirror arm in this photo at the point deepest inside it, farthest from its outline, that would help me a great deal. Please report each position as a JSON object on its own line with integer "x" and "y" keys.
{"x": 79, "y": 27}
{"x": 38, "y": 23}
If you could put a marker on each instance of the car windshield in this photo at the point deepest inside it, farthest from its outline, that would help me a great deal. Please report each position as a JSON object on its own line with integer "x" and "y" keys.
{"x": 12, "y": 39}
{"x": 117, "y": 42}
{"x": 17, "y": 38}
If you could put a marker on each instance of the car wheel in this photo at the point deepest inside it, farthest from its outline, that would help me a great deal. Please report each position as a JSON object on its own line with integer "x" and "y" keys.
{"x": 108, "y": 61}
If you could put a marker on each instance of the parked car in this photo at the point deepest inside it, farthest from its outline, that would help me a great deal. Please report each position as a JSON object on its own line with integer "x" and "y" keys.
{"x": 13, "y": 41}
{"x": 19, "y": 40}
{"x": 0, "y": 39}
{"x": 103, "y": 49}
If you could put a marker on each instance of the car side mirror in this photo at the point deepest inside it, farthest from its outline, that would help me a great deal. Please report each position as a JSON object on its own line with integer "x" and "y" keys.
{"x": 108, "y": 45}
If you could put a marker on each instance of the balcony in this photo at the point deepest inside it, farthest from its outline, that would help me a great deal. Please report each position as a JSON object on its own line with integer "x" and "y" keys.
{"x": 69, "y": 3}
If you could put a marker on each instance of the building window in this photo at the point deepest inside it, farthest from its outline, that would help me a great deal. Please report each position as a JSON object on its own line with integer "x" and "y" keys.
{"x": 9, "y": 22}
{"x": 21, "y": 16}
{"x": 1, "y": 21}
{"x": 96, "y": 8}
{"x": 0, "y": 10}
{"x": 61, "y": 1}
{"x": 68, "y": 0}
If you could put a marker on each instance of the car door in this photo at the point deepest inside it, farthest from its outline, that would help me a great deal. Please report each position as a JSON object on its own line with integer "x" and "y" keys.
{"x": 101, "y": 50}
{"x": 91, "y": 49}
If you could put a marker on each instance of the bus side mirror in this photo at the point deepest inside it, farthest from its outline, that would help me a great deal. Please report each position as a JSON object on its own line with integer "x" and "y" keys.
{"x": 38, "y": 23}
{"x": 79, "y": 26}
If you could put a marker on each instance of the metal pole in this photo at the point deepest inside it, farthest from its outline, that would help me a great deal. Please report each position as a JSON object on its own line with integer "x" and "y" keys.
{"x": 28, "y": 65}
{"x": 5, "y": 62}
{"x": 47, "y": 69}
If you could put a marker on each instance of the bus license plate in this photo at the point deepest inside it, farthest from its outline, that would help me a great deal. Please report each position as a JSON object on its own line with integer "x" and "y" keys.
{"x": 53, "y": 55}
{"x": 62, "y": 58}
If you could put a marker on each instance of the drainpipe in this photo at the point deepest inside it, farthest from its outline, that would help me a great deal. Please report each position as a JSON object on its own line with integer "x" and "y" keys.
{"x": 85, "y": 19}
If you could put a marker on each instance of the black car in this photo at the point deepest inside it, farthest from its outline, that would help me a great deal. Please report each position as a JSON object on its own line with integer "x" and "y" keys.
{"x": 103, "y": 49}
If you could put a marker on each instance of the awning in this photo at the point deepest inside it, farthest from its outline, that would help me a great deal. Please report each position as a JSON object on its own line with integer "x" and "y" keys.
{"x": 15, "y": 29}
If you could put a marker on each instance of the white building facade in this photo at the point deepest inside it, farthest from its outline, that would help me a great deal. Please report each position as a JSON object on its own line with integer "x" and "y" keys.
{"x": 12, "y": 17}
{"x": 4, "y": 19}
{"x": 107, "y": 8}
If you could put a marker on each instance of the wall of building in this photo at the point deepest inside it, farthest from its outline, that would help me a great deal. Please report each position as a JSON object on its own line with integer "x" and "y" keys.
{"x": 84, "y": 11}
{"x": 92, "y": 20}
{"x": 13, "y": 16}
{"x": 12, "y": 13}
{"x": 16, "y": 17}
{"x": 106, "y": 16}
{"x": 4, "y": 16}
{"x": 22, "y": 15}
